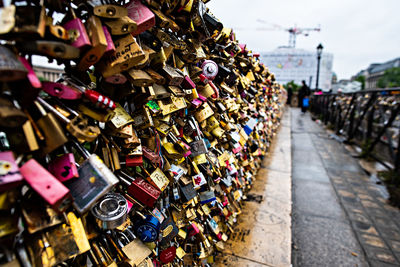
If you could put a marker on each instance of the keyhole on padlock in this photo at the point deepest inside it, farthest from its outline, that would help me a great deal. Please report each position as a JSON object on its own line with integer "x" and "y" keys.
{"x": 59, "y": 50}
{"x": 60, "y": 32}
{"x": 66, "y": 172}
{"x": 92, "y": 58}
{"x": 111, "y": 11}
{"x": 57, "y": 90}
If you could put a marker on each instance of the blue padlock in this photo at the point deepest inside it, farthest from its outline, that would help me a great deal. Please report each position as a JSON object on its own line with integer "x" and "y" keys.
{"x": 148, "y": 229}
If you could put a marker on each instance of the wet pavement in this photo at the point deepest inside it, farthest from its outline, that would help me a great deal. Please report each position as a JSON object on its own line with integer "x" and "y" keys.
{"x": 340, "y": 215}
{"x": 262, "y": 233}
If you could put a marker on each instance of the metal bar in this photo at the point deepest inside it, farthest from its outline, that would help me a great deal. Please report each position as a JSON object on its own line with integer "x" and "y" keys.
{"x": 360, "y": 119}
{"x": 382, "y": 131}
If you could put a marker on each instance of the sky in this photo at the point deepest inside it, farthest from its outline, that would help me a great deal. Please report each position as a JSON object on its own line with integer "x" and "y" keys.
{"x": 356, "y": 32}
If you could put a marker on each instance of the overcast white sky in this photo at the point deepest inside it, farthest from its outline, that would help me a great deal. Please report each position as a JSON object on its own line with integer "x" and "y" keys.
{"x": 356, "y": 32}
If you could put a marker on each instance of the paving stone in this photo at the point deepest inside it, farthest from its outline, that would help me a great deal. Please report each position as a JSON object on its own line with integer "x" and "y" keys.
{"x": 374, "y": 263}
{"x": 316, "y": 198}
{"x": 371, "y": 240}
{"x": 380, "y": 254}
{"x": 395, "y": 245}
{"x": 364, "y": 227}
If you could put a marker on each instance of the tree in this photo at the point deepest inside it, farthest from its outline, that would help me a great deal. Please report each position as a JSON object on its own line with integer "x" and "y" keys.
{"x": 361, "y": 79}
{"x": 294, "y": 86}
{"x": 391, "y": 78}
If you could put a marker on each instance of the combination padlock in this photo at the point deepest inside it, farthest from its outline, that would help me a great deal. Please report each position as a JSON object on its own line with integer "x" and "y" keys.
{"x": 148, "y": 228}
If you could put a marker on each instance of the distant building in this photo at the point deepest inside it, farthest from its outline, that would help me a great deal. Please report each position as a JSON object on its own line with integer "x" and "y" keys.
{"x": 346, "y": 86}
{"x": 334, "y": 78}
{"x": 375, "y": 71}
{"x": 48, "y": 74}
{"x": 292, "y": 64}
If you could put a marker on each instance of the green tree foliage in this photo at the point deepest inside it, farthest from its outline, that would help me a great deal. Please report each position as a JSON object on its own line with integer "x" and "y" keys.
{"x": 361, "y": 79}
{"x": 391, "y": 78}
{"x": 295, "y": 87}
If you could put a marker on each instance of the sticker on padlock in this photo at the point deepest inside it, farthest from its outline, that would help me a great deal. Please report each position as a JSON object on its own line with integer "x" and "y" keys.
{"x": 10, "y": 175}
{"x": 63, "y": 167}
{"x": 95, "y": 180}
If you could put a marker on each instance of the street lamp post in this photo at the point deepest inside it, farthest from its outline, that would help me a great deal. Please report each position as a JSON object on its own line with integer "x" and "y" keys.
{"x": 319, "y": 52}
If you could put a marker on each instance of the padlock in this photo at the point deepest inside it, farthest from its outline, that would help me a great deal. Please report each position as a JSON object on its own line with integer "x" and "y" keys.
{"x": 139, "y": 78}
{"x": 10, "y": 115}
{"x": 142, "y": 15}
{"x": 61, "y": 91}
{"x": 46, "y": 185}
{"x": 168, "y": 231}
{"x": 144, "y": 192}
{"x": 30, "y": 21}
{"x": 121, "y": 26}
{"x": 136, "y": 251}
{"x": 110, "y": 43}
{"x": 57, "y": 31}
{"x": 11, "y": 68}
{"x": 174, "y": 77}
{"x": 7, "y": 22}
{"x": 198, "y": 146}
{"x": 33, "y": 79}
{"x": 98, "y": 41}
{"x": 158, "y": 92}
{"x": 10, "y": 176}
{"x": 53, "y": 133}
{"x": 78, "y": 126}
{"x": 148, "y": 228}
{"x": 158, "y": 179}
{"x": 109, "y": 11}
{"x": 127, "y": 53}
{"x": 64, "y": 167}
{"x": 77, "y": 31}
{"x": 110, "y": 211}
{"x": 95, "y": 180}
{"x": 50, "y": 49}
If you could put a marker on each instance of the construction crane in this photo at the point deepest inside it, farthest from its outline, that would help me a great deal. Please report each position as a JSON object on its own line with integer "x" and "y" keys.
{"x": 293, "y": 31}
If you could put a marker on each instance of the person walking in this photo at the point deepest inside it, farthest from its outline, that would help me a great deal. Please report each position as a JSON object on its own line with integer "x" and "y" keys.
{"x": 289, "y": 94}
{"x": 304, "y": 93}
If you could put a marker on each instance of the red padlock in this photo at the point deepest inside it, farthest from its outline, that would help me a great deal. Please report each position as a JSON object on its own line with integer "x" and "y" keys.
{"x": 144, "y": 192}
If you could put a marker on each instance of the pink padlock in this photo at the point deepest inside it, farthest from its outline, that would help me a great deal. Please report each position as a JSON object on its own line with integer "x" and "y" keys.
{"x": 61, "y": 91}
{"x": 63, "y": 167}
{"x": 10, "y": 176}
{"x": 46, "y": 185}
{"x": 77, "y": 32}
{"x": 142, "y": 15}
{"x": 33, "y": 79}
{"x": 196, "y": 102}
{"x": 110, "y": 44}
{"x": 187, "y": 83}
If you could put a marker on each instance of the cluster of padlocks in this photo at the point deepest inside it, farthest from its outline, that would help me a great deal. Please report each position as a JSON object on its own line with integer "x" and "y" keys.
{"x": 142, "y": 151}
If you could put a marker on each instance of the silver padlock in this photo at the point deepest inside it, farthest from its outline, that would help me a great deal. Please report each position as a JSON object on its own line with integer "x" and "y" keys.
{"x": 110, "y": 211}
{"x": 198, "y": 146}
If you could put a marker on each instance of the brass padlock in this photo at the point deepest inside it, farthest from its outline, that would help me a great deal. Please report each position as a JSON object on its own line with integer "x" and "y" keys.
{"x": 126, "y": 55}
{"x": 99, "y": 44}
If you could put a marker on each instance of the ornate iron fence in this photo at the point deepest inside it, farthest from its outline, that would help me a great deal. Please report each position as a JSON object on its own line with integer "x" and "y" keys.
{"x": 370, "y": 119}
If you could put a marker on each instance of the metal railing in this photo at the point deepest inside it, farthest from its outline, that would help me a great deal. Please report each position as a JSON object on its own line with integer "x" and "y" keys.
{"x": 368, "y": 118}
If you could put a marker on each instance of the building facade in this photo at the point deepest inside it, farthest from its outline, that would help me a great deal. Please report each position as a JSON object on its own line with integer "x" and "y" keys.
{"x": 375, "y": 71}
{"x": 292, "y": 64}
{"x": 47, "y": 73}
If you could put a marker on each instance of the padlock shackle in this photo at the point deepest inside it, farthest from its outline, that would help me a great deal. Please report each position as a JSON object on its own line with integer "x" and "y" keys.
{"x": 52, "y": 109}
